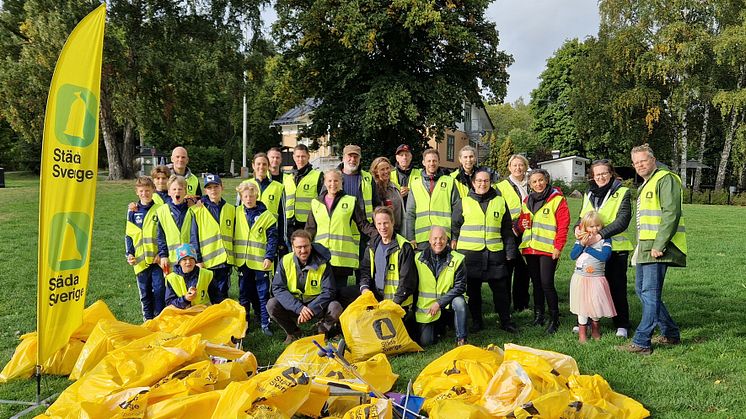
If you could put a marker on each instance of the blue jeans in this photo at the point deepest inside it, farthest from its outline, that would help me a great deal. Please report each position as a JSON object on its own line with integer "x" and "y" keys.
{"x": 649, "y": 287}
{"x": 458, "y": 305}
{"x": 152, "y": 287}
{"x": 253, "y": 290}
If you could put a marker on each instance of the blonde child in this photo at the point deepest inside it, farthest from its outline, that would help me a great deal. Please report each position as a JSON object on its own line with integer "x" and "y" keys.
{"x": 589, "y": 292}
{"x": 174, "y": 222}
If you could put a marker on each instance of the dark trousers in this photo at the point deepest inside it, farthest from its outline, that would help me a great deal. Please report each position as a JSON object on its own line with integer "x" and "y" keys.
{"x": 288, "y": 320}
{"x": 346, "y": 295}
{"x": 500, "y": 298}
{"x": 519, "y": 272}
{"x": 253, "y": 290}
{"x": 221, "y": 278}
{"x": 340, "y": 276}
{"x": 541, "y": 270}
{"x": 616, "y": 275}
{"x": 152, "y": 288}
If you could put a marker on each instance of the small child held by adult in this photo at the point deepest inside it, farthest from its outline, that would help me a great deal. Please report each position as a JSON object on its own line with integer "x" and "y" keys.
{"x": 189, "y": 285}
{"x": 141, "y": 250}
{"x": 590, "y": 297}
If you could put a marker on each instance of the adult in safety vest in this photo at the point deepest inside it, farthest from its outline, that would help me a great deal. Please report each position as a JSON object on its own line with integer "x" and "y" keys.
{"x": 442, "y": 283}
{"x": 432, "y": 197}
{"x": 404, "y": 172}
{"x": 661, "y": 242}
{"x": 179, "y": 162}
{"x": 188, "y": 285}
{"x": 387, "y": 192}
{"x": 544, "y": 222}
{"x": 302, "y": 185}
{"x": 174, "y": 222}
{"x": 212, "y": 235}
{"x": 358, "y": 182}
{"x": 303, "y": 289}
{"x": 464, "y": 175}
{"x": 483, "y": 232}
{"x": 514, "y": 189}
{"x": 612, "y": 202}
{"x": 336, "y": 222}
{"x": 255, "y": 248}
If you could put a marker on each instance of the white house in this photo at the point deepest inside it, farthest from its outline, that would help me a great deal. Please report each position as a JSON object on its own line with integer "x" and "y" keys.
{"x": 568, "y": 169}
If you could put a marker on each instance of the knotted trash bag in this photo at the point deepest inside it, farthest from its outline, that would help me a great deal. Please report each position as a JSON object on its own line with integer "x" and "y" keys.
{"x": 106, "y": 336}
{"x": 220, "y": 323}
{"x": 467, "y": 368}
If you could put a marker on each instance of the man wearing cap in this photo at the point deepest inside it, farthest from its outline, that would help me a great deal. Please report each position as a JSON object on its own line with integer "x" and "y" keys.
{"x": 358, "y": 182}
{"x": 404, "y": 171}
{"x": 302, "y": 184}
{"x": 179, "y": 161}
{"x": 188, "y": 285}
{"x": 212, "y": 235}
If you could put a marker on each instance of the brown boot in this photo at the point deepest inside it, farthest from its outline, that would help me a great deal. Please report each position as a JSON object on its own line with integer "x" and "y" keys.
{"x": 582, "y": 333}
{"x": 595, "y": 330}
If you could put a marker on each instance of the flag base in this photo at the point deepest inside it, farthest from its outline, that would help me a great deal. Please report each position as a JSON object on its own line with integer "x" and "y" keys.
{"x": 32, "y": 405}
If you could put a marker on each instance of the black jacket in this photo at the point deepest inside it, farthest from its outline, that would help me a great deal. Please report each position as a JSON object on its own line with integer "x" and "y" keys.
{"x": 436, "y": 263}
{"x": 623, "y": 215}
{"x": 319, "y": 256}
{"x": 407, "y": 270}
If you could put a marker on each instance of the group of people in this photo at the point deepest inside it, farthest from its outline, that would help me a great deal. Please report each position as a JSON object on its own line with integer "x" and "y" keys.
{"x": 306, "y": 243}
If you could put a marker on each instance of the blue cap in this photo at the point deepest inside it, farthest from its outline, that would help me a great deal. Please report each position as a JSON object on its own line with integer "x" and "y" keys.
{"x": 211, "y": 179}
{"x": 185, "y": 251}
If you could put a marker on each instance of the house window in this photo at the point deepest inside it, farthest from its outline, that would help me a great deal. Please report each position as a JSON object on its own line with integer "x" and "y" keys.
{"x": 467, "y": 118}
{"x": 450, "y": 146}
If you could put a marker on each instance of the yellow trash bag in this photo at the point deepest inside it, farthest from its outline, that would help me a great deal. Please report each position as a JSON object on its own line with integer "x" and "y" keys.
{"x": 129, "y": 403}
{"x": 594, "y": 390}
{"x": 194, "y": 406}
{"x": 317, "y": 398}
{"x": 466, "y": 367}
{"x": 217, "y": 323}
{"x": 196, "y": 378}
{"x": 376, "y": 409}
{"x": 126, "y": 368}
{"x": 562, "y": 364}
{"x": 370, "y": 328}
{"x": 548, "y": 406}
{"x": 23, "y": 361}
{"x": 284, "y": 388}
{"x": 509, "y": 388}
{"x": 454, "y": 408}
{"x": 106, "y": 336}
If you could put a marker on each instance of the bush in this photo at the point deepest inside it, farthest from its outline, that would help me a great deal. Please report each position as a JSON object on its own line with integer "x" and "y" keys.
{"x": 206, "y": 159}
{"x": 738, "y": 199}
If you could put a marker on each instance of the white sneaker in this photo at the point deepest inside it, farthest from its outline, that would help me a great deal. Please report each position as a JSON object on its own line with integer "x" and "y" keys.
{"x": 621, "y": 332}
{"x": 576, "y": 329}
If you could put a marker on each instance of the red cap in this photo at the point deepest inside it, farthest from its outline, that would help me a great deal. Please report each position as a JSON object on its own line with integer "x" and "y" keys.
{"x": 403, "y": 147}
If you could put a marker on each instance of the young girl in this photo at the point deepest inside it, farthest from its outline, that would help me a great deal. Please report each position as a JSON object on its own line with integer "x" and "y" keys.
{"x": 589, "y": 291}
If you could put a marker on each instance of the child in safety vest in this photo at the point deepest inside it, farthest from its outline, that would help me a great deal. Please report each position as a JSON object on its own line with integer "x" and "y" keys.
{"x": 255, "y": 247}
{"x": 174, "y": 222}
{"x": 589, "y": 292}
{"x": 189, "y": 285}
{"x": 212, "y": 235}
{"x": 160, "y": 175}
{"x": 141, "y": 251}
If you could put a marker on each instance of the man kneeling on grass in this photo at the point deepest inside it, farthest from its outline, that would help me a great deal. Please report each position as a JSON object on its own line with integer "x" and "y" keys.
{"x": 303, "y": 289}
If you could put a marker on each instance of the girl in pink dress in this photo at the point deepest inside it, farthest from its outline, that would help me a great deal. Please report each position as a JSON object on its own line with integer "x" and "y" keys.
{"x": 589, "y": 292}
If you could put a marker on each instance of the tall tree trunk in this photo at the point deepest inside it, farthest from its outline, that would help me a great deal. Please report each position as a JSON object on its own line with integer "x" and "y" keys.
{"x": 128, "y": 150}
{"x": 725, "y": 155}
{"x": 684, "y": 145}
{"x": 701, "y": 152}
{"x": 108, "y": 130}
{"x": 675, "y": 147}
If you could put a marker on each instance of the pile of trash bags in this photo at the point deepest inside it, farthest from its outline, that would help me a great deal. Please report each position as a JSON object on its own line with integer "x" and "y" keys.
{"x": 185, "y": 363}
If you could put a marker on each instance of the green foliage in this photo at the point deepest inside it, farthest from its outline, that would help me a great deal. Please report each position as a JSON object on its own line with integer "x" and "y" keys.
{"x": 507, "y": 116}
{"x": 503, "y": 155}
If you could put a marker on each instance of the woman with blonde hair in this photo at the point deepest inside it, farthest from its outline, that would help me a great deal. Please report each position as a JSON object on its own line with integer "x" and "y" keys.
{"x": 386, "y": 191}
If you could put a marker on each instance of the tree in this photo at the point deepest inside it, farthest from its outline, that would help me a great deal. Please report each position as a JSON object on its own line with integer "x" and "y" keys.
{"x": 506, "y": 116}
{"x": 390, "y": 72}
{"x": 506, "y": 150}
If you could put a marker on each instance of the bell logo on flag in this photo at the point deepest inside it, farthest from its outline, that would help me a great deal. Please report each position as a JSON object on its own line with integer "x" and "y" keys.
{"x": 75, "y": 119}
{"x": 68, "y": 242}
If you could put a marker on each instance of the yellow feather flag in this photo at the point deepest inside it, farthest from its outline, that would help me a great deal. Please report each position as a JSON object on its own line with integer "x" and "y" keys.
{"x": 68, "y": 184}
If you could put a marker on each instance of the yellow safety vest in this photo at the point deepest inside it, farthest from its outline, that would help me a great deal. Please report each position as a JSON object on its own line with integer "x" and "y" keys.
{"x": 540, "y": 236}
{"x": 157, "y": 199}
{"x": 608, "y": 211}
{"x": 298, "y": 197}
{"x": 144, "y": 239}
{"x": 338, "y": 232}
{"x": 511, "y": 197}
{"x": 203, "y": 282}
{"x": 391, "y": 281}
{"x": 366, "y": 184}
{"x": 430, "y": 290}
{"x": 463, "y": 190}
{"x": 174, "y": 236}
{"x": 431, "y": 210}
{"x": 394, "y": 176}
{"x": 313, "y": 279}
{"x": 649, "y": 211}
{"x": 250, "y": 243}
{"x": 481, "y": 229}
{"x": 192, "y": 184}
{"x": 272, "y": 195}
{"x": 215, "y": 240}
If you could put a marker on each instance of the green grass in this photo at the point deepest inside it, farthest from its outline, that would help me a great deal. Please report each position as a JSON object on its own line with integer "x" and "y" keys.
{"x": 703, "y": 377}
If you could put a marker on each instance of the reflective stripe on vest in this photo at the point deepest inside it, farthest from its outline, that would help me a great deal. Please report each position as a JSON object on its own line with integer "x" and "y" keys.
{"x": 511, "y": 197}
{"x": 144, "y": 239}
{"x": 215, "y": 239}
{"x": 271, "y": 197}
{"x": 432, "y": 210}
{"x": 391, "y": 281}
{"x": 313, "y": 279}
{"x": 481, "y": 229}
{"x": 430, "y": 290}
{"x": 175, "y": 237}
{"x": 366, "y": 184}
{"x": 203, "y": 282}
{"x": 540, "y": 236}
{"x": 337, "y": 233}
{"x": 250, "y": 243}
{"x": 649, "y": 211}
{"x": 298, "y": 197}
{"x": 608, "y": 212}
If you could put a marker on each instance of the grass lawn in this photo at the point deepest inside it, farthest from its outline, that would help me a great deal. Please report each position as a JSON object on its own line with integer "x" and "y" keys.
{"x": 705, "y": 376}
